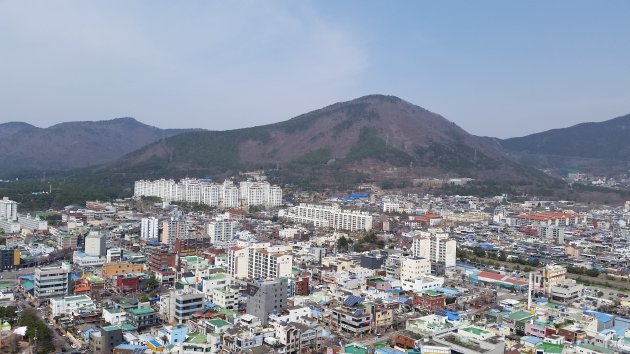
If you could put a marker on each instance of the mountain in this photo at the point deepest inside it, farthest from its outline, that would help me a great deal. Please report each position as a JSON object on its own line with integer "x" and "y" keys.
{"x": 24, "y": 147}
{"x": 372, "y": 138}
{"x": 601, "y": 147}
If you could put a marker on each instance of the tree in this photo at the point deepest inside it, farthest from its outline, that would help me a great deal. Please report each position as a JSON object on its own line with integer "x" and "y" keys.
{"x": 342, "y": 243}
{"x": 151, "y": 283}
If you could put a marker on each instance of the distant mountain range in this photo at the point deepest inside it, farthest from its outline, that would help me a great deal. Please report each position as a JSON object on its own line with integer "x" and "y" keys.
{"x": 377, "y": 137}
{"x": 26, "y": 148}
{"x": 601, "y": 148}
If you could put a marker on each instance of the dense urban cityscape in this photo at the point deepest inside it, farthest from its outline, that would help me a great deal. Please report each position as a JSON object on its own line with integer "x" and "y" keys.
{"x": 245, "y": 267}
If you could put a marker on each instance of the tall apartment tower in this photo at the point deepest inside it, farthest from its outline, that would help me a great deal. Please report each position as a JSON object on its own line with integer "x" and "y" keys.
{"x": 266, "y": 297}
{"x": 8, "y": 209}
{"x": 221, "y": 230}
{"x": 438, "y": 248}
{"x": 149, "y": 228}
{"x": 173, "y": 228}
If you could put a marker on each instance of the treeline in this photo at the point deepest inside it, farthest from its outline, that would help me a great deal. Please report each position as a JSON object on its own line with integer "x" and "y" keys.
{"x": 592, "y": 272}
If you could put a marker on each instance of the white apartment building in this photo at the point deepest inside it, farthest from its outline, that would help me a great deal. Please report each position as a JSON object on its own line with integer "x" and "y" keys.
{"x": 149, "y": 228}
{"x": 438, "y": 248}
{"x": 238, "y": 258}
{"x": 260, "y": 194}
{"x": 424, "y": 283}
{"x": 222, "y": 229}
{"x": 32, "y": 223}
{"x": 330, "y": 216}
{"x": 71, "y": 305}
{"x": 227, "y": 297}
{"x": 412, "y": 269}
{"x": 8, "y": 209}
{"x": 267, "y": 262}
{"x": 226, "y": 194}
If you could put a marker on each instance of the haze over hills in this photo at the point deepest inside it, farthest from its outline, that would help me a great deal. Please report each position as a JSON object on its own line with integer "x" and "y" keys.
{"x": 24, "y": 147}
{"x": 601, "y": 147}
{"x": 376, "y": 136}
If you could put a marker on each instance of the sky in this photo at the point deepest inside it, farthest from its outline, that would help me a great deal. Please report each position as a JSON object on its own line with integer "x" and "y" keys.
{"x": 496, "y": 68}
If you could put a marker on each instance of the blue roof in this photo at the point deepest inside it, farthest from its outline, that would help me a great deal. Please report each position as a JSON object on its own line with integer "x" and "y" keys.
{"x": 352, "y": 300}
{"x": 130, "y": 346}
{"x": 531, "y": 339}
{"x": 447, "y": 291}
{"x": 28, "y": 277}
{"x": 600, "y": 316}
{"x": 395, "y": 291}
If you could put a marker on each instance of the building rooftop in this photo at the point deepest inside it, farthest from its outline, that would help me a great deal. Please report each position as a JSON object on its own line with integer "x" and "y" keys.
{"x": 141, "y": 311}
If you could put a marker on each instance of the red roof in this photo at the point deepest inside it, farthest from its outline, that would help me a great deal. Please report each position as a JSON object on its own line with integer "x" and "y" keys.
{"x": 547, "y": 216}
{"x": 516, "y": 282}
{"x": 491, "y": 275}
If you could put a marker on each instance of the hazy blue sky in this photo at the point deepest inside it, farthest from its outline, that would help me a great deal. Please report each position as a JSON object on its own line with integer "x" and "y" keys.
{"x": 500, "y": 68}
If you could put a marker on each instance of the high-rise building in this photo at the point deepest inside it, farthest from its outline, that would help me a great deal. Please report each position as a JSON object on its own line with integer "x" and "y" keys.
{"x": 413, "y": 268}
{"x": 226, "y": 195}
{"x": 238, "y": 258}
{"x": 8, "y": 209}
{"x": 437, "y": 248}
{"x": 266, "y": 297}
{"x": 268, "y": 263}
{"x": 330, "y": 216}
{"x": 149, "y": 228}
{"x": 51, "y": 282}
{"x": 95, "y": 244}
{"x": 173, "y": 228}
{"x": 221, "y": 230}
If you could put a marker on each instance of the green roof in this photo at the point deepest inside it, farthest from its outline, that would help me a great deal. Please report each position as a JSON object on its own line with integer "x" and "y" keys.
{"x": 111, "y": 328}
{"x": 432, "y": 293}
{"x": 550, "y": 348}
{"x": 475, "y": 330}
{"x": 377, "y": 280}
{"x": 227, "y": 313}
{"x": 519, "y": 315}
{"x": 196, "y": 338}
{"x": 113, "y": 310}
{"x": 217, "y": 276}
{"x": 596, "y": 348}
{"x": 141, "y": 311}
{"x": 219, "y": 323}
{"x": 355, "y": 349}
{"x": 127, "y": 327}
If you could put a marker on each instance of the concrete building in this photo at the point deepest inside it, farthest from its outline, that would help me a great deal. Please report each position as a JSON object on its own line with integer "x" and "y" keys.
{"x": 142, "y": 317}
{"x": 412, "y": 269}
{"x": 566, "y": 291}
{"x": 104, "y": 341}
{"x": 114, "y": 315}
{"x": 184, "y": 303}
{"x": 52, "y": 282}
{"x": 173, "y": 228}
{"x": 8, "y": 209}
{"x": 238, "y": 258}
{"x": 330, "y": 216}
{"x": 268, "y": 263}
{"x": 436, "y": 247}
{"x": 71, "y": 305}
{"x": 149, "y": 228}
{"x": 95, "y": 244}
{"x": 221, "y": 230}
{"x": 226, "y": 297}
{"x": 32, "y": 223}
{"x": 266, "y": 297}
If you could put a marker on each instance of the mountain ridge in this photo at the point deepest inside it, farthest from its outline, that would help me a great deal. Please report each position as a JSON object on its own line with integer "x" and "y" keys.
{"x": 67, "y": 145}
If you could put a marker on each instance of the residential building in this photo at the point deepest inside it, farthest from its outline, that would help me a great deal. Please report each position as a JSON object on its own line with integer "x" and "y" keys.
{"x": 8, "y": 209}
{"x": 114, "y": 315}
{"x": 104, "y": 341}
{"x": 221, "y": 230}
{"x": 173, "y": 228}
{"x": 238, "y": 259}
{"x": 566, "y": 290}
{"x": 149, "y": 228}
{"x": 160, "y": 258}
{"x": 266, "y": 297}
{"x": 412, "y": 268}
{"x": 268, "y": 263}
{"x": 330, "y": 216}
{"x": 184, "y": 303}
{"x": 226, "y": 297}
{"x": 32, "y": 223}
{"x": 52, "y": 282}
{"x": 142, "y": 317}
{"x": 437, "y": 248}
{"x": 71, "y": 305}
